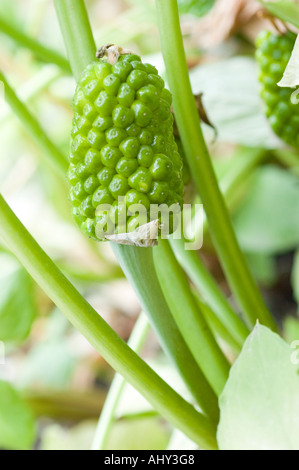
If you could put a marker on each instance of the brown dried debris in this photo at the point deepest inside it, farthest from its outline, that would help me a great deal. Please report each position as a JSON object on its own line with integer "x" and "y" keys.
{"x": 225, "y": 19}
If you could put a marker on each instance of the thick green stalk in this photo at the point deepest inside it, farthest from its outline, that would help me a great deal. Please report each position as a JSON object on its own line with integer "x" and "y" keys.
{"x": 77, "y": 34}
{"x": 289, "y": 159}
{"x": 189, "y": 318}
{"x": 236, "y": 176}
{"x": 54, "y": 157}
{"x": 216, "y": 326}
{"x": 210, "y": 291}
{"x": 136, "y": 342}
{"x": 239, "y": 170}
{"x": 42, "y": 52}
{"x": 65, "y": 405}
{"x": 102, "y": 337}
{"x": 230, "y": 254}
{"x": 32, "y": 88}
{"x": 138, "y": 266}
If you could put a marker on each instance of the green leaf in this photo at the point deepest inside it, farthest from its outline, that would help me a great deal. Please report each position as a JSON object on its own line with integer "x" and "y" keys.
{"x": 17, "y": 307}
{"x": 260, "y": 403}
{"x": 285, "y": 10}
{"x": 295, "y": 277}
{"x": 267, "y": 222}
{"x": 231, "y": 97}
{"x": 195, "y": 7}
{"x": 290, "y": 77}
{"x": 17, "y": 426}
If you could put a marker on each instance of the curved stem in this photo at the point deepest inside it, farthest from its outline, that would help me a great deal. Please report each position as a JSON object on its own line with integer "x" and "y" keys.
{"x": 216, "y": 326}
{"x": 30, "y": 89}
{"x": 54, "y": 157}
{"x": 231, "y": 256}
{"x": 210, "y": 290}
{"x": 239, "y": 170}
{"x": 136, "y": 342}
{"x": 104, "y": 339}
{"x": 42, "y": 52}
{"x": 189, "y": 318}
{"x": 138, "y": 266}
{"x": 77, "y": 34}
{"x": 289, "y": 159}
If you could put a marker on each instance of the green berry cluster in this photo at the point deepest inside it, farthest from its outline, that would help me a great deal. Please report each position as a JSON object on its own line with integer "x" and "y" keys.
{"x": 122, "y": 143}
{"x": 273, "y": 53}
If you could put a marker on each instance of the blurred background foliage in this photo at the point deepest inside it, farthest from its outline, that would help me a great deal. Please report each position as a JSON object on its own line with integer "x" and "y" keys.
{"x": 52, "y": 383}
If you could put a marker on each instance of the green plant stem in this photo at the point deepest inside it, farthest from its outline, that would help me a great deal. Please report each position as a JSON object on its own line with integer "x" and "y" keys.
{"x": 138, "y": 266}
{"x": 32, "y": 88}
{"x": 136, "y": 342}
{"x": 54, "y": 157}
{"x": 289, "y": 159}
{"x": 189, "y": 318}
{"x": 236, "y": 176}
{"x": 230, "y": 254}
{"x": 110, "y": 274}
{"x": 77, "y": 34}
{"x": 102, "y": 337}
{"x": 216, "y": 326}
{"x": 204, "y": 281}
{"x": 42, "y": 52}
{"x": 240, "y": 169}
{"x": 136, "y": 263}
{"x": 66, "y": 404}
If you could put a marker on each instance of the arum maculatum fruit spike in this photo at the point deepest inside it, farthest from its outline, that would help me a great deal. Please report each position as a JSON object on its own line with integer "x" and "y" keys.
{"x": 122, "y": 146}
{"x": 273, "y": 53}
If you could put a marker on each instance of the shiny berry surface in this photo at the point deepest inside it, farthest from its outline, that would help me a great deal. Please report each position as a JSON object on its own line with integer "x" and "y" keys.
{"x": 122, "y": 144}
{"x": 272, "y": 54}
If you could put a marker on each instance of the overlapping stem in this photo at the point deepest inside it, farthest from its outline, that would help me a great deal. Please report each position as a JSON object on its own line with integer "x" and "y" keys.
{"x": 189, "y": 318}
{"x": 104, "y": 339}
{"x": 136, "y": 342}
{"x": 137, "y": 263}
{"x": 52, "y": 153}
{"x": 39, "y": 50}
{"x": 188, "y": 121}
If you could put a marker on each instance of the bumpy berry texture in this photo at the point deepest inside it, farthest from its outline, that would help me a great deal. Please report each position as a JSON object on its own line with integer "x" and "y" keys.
{"x": 122, "y": 144}
{"x": 273, "y": 53}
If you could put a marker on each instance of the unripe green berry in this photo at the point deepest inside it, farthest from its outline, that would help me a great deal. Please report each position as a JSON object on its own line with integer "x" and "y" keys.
{"x": 122, "y": 146}
{"x": 273, "y": 53}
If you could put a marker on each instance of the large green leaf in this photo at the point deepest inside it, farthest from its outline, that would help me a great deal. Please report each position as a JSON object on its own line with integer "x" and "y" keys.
{"x": 268, "y": 220}
{"x": 195, "y": 7}
{"x": 285, "y": 10}
{"x": 17, "y": 307}
{"x": 17, "y": 426}
{"x": 260, "y": 402}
